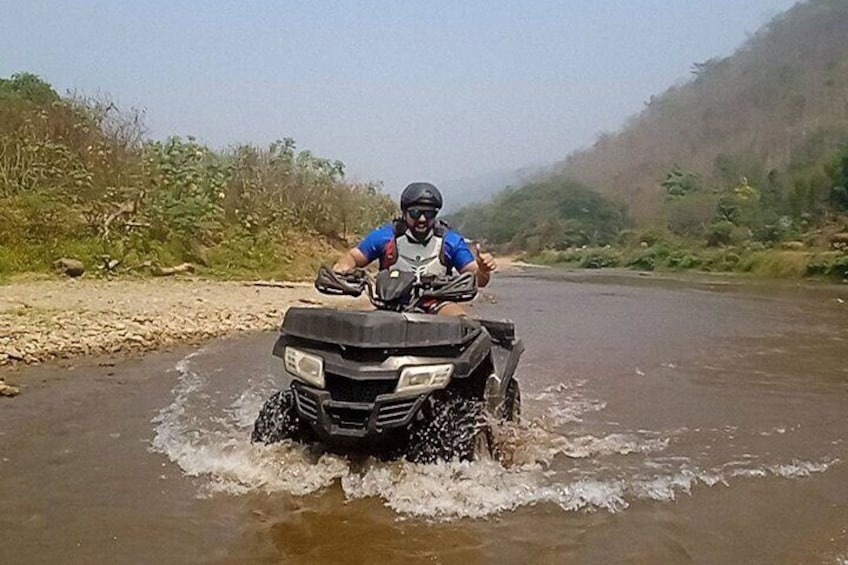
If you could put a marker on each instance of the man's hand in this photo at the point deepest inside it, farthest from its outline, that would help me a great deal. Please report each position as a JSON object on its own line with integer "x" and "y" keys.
{"x": 482, "y": 266}
{"x": 350, "y": 260}
{"x": 485, "y": 261}
{"x": 342, "y": 267}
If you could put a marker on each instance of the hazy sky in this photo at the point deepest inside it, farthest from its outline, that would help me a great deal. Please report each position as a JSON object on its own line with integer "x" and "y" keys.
{"x": 399, "y": 91}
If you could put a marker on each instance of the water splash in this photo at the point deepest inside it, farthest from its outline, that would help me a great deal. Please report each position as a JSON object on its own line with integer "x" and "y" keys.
{"x": 190, "y": 433}
{"x": 475, "y": 490}
{"x": 541, "y": 461}
{"x": 566, "y": 403}
{"x": 797, "y": 469}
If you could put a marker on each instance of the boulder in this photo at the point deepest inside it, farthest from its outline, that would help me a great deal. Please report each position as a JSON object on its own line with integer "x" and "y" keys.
{"x": 8, "y": 390}
{"x": 70, "y": 267}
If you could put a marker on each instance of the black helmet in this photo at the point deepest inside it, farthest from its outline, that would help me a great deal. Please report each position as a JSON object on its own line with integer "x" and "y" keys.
{"x": 420, "y": 194}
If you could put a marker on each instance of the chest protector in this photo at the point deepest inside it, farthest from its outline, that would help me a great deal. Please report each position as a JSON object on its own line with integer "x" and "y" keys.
{"x": 404, "y": 253}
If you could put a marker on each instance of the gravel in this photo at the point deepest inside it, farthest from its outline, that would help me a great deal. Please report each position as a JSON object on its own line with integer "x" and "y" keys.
{"x": 59, "y": 319}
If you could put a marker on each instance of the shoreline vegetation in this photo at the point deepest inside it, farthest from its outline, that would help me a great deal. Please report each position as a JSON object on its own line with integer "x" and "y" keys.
{"x": 81, "y": 184}
{"x": 791, "y": 260}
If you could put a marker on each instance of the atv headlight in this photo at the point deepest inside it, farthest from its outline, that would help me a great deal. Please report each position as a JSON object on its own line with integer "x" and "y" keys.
{"x": 424, "y": 377}
{"x": 308, "y": 367}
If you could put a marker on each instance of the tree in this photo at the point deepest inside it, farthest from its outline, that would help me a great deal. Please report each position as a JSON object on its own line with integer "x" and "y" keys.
{"x": 679, "y": 183}
{"x": 837, "y": 170}
{"x": 27, "y": 87}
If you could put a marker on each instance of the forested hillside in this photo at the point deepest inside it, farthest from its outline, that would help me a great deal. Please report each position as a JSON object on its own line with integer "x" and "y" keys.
{"x": 751, "y": 151}
{"x": 539, "y": 214}
{"x": 79, "y": 178}
{"x": 775, "y": 113}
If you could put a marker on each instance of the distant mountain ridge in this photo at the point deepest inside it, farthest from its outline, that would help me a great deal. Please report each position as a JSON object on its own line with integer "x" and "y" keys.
{"x": 780, "y": 100}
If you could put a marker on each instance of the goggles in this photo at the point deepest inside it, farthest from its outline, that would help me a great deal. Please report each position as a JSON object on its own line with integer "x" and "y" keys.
{"x": 416, "y": 213}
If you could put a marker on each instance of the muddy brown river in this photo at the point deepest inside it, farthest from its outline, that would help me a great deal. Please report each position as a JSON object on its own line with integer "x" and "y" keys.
{"x": 665, "y": 421}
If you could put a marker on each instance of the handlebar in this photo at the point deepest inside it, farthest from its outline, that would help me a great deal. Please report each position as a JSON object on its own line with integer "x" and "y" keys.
{"x": 397, "y": 290}
{"x": 331, "y": 282}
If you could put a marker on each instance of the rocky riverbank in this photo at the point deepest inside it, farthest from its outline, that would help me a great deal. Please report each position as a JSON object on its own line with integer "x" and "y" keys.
{"x": 59, "y": 319}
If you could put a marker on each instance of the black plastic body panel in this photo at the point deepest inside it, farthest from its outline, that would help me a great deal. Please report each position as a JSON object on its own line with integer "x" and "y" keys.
{"x": 378, "y": 329}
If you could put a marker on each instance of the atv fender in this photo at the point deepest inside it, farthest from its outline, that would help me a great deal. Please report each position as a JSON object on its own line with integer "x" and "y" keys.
{"x": 506, "y": 352}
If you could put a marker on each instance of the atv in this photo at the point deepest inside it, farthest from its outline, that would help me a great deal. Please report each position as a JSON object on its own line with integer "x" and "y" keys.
{"x": 394, "y": 381}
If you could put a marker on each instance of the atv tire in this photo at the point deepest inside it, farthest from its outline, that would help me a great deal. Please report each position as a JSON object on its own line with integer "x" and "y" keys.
{"x": 456, "y": 429}
{"x": 512, "y": 402}
{"x": 278, "y": 420}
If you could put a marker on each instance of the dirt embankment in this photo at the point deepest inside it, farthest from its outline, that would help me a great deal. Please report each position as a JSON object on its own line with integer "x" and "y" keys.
{"x": 45, "y": 320}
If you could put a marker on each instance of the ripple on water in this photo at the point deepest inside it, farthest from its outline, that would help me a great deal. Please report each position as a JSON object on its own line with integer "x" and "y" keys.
{"x": 540, "y": 462}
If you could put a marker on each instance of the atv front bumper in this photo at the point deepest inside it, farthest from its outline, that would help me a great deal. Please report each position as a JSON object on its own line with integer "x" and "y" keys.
{"x": 335, "y": 419}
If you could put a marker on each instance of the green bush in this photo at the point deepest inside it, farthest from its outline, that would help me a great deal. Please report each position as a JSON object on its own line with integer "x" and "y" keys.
{"x": 833, "y": 265}
{"x": 721, "y": 261}
{"x": 571, "y": 256}
{"x": 648, "y": 259}
{"x": 654, "y": 236}
{"x": 600, "y": 259}
{"x": 683, "y": 260}
{"x": 719, "y": 233}
{"x": 642, "y": 263}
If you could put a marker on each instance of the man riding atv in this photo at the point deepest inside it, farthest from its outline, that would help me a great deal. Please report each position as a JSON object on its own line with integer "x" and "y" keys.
{"x": 398, "y": 380}
{"x": 420, "y": 244}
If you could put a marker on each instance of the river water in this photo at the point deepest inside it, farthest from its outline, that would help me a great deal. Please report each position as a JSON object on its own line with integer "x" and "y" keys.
{"x": 699, "y": 420}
